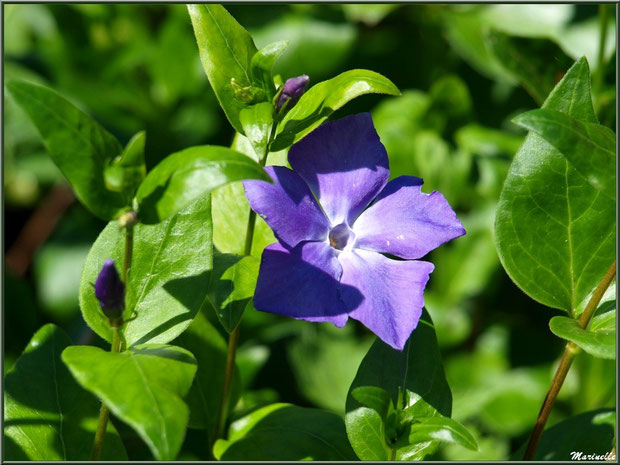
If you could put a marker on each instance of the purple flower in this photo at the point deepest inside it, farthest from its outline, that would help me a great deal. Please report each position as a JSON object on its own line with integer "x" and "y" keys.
{"x": 110, "y": 290}
{"x": 335, "y": 216}
{"x": 292, "y": 89}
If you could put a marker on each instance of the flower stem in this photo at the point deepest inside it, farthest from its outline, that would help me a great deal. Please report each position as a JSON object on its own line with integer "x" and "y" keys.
{"x": 600, "y": 70}
{"x": 233, "y": 339}
{"x": 104, "y": 413}
{"x": 570, "y": 351}
{"x": 127, "y": 221}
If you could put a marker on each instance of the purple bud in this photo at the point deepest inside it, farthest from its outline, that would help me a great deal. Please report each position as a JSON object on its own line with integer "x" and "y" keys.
{"x": 110, "y": 291}
{"x": 292, "y": 89}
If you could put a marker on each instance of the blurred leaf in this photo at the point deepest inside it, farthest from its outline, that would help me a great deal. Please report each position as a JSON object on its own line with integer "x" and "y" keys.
{"x": 316, "y": 48}
{"x": 600, "y": 342}
{"x": 226, "y": 50}
{"x": 583, "y": 39}
{"x": 205, "y": 396}
{"x": 322, "y": 99}
{"x": 528, "y": 20}
{"x": 450, "y": 97}
{"x": 142, "y": 386}
{"x": 487, "y": 142}
{"x": 170, "y": 271}
{"x": 554, "y": 232}
{"x": 47, "y": 415}
{"x": 286, "y": 432}
{"x": 580, "y": 433}
{"x": 391, "y": 370}
{"x": 590, "y": 147}
{"x": 441, "y": 429}
{"x": 184, "y": 176}
{"x": 125, "y": 173}
{"x": 261, "y": 67}
{"x": 250, "y": 360}
{"x": 231, "y": 287}
{"x": 257, "y": 122}
{"x": 324, "y": 365}
{"x": 58, "y": 269}
{"x": 536, "y": 63}
{"x": 79, "y": 146}
{"x": 369, "y": 14}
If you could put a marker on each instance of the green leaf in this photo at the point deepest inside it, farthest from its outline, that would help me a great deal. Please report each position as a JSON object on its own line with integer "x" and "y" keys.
{"x": 321, "y": 100}
{"x": 226, "y": 51}
{"x": 286, "y": 432}
{"x": 391, "y": 370}
{"x": 554, "y": 232}
{"x": 591, "y": 148}
{"x": 231, "y": 287}
{"x": 47, "y": 415}
{"x": 581, "y": 433}
{"x": 205, "y": 395}
{"x": 599, "y": 343}
{"x": 373, "y": 397}
{"x": 527, "y": 60}
{"x": 79, "y": 146}
{"x": 261, "y": 67}
{"x": 441, "y": 429}
{"x": 142, "y": 386}
{"x": 257, "y": 122}
{"x": 125, "y": 173}
{"x": 170, "y": 271}
{"x": 185, "y": 176}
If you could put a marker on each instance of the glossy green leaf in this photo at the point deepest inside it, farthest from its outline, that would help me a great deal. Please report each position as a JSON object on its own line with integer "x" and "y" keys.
{"x": 591, "y": 148}
{"x": 205, "y": 396}
{"x": 142, "y": 386}
{"x": 599, "y": 343}
{"x": 373, "y": 397}
{"x": 47, "y": 415}
{"x": 555, "y": 233}
{"x": 322, "y": 99}
{"x": 170, "y": 271}
{"x": 257, "y": 122}
{"x": 527, "y": 59}
{"x": 286, "y": 432}
{"x": 79, "y": 146}
{"x": 226, "y": 51}
{"x": 125, "y": 172}
{"x": 185, "y": 176}
{"x": 231, "y": 287}
{"x": 581, "y": 433}
{"x": 441, "y": 429}
{"x": 261, "y": 67}
{"x": 389, "y": 369}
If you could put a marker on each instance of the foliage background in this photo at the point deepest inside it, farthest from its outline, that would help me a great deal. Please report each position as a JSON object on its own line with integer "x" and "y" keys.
{"x": 464, "y": 71}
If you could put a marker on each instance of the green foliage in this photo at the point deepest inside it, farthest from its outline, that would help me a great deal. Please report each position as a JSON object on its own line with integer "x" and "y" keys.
{"x": 170, "y": 270}
{"x": 188, "y": 175}
{"x": 79, "y": 146}
{"x": 145, "y": 392}
{"x": 47, "y": 415}
{"x": 261, "y": 67}
{"x": 555, "y": 233}
{"x": 286, "y": 432}
{"x": 125, "y": 173}
{"x": 404, "y": 376}
{"x": 257, "y": 122}
{"x": 322, "y": 99}
{"x": 599, "y": 339}
{"x": 226, "y": 50}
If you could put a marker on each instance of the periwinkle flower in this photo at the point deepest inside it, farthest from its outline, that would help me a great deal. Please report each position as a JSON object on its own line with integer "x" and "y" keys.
{"x": 335, "y": 216}
{"x": 292, "y": 90}
{"x": 110, "y": 291}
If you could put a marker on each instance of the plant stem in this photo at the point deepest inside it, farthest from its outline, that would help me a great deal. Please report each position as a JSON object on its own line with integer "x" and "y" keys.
{"x": 600, "y": 70}
{"x": 104, "y": 413}
{"x": 233, "y": 339}
{"x": 127, "y": 221}
{"x": 392, "y": 455}
{"x": 570, "y": 351}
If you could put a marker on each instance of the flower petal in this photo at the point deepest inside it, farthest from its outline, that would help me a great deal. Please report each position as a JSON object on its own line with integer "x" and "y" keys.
{"x": 345, "y": 165}
{"x": 287, "y": 206}
{"x": 406, "y": 222}
{"x": 302, "y": 283}
{"x": 393, "y": 293}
